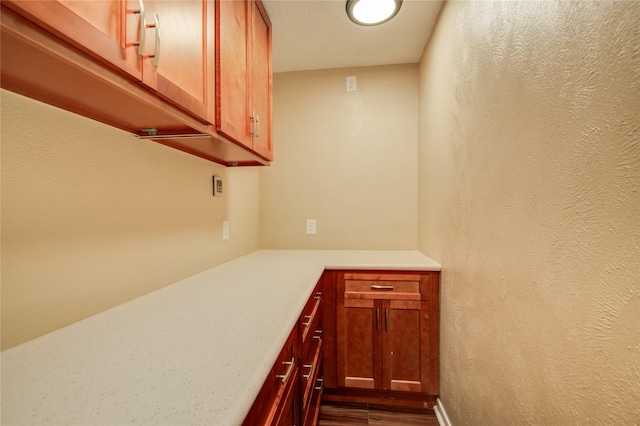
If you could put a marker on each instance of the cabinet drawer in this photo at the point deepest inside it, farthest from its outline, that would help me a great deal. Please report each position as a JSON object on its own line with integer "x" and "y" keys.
{"x": 309, "y": 323}
{"x": 282, "y": 378}
{"x": 309, "y": 367}
{"x": 380, "y": 286}
{"x": 311, "y": 413}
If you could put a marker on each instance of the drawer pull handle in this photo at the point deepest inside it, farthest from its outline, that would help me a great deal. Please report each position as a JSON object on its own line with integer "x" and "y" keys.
{"x": 381, "y": 287}
{"x": 257, "y": 135}
{"x": 320, "y": 382}
{"x": 286, "y": 376}
{"x": 141, "y": 36}
{"x": 318, "y": 295}
{"x": 308, "y": 323}
{"x": 156, "y": 55}
{"x": 317, "y": 334}
{"x": 253, "y": 132}
{"x": 310, "y": 367}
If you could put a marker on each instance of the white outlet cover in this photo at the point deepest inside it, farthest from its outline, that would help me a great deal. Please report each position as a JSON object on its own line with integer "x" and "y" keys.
{"x": 225, "y": 230}
{"x": 351, "y": 83}
{"x": 311, "y": 226}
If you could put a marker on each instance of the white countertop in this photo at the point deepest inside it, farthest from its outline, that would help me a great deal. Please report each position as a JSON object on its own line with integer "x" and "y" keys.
{"x": 193, "y": 353}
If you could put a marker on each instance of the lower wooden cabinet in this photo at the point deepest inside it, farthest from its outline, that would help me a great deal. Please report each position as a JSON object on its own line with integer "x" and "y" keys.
{"x": 278, "y": 401}
{"x": 363, "y": 337}
{"x": 292, "y": 392}
{"x": 386, "y": 344}
{"x": 311, "y": 356}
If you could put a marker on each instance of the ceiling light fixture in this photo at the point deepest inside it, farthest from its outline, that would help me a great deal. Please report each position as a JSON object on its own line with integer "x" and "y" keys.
{"x": 372, "y": 12}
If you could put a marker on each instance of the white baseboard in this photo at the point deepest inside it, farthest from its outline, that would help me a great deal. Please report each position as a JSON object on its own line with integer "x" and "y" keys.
{"x": 441, "y": 415}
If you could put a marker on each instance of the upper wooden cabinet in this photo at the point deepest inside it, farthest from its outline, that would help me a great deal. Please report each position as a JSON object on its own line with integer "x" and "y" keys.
{"x": 167, "y": 45}
{"x": 147, "y": 67}
{"x": 105, "y": 28}
{"x": 243, "y": 90}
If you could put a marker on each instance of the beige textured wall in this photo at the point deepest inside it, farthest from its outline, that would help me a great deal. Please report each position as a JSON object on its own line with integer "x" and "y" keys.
{"x": 346, "y": 159}
{"x": 92, "y": 217}
{"x": 529, "y": 195}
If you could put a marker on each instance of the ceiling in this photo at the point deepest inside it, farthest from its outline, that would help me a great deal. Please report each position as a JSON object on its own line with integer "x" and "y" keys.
{"x": 317, "y": 34}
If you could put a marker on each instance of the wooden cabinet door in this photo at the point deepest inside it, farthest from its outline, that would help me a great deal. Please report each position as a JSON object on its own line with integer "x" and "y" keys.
{"x": 243, "y": 83}
{"x": 232, "y": 82}
{"x": 359, "y": 341}
{"x": 179, "y": 56}
{"x": 383, "y": 344}
{"x": 105, "y": 29}
{"x": 405, "y": 345}
{"x": 261, "y": 81}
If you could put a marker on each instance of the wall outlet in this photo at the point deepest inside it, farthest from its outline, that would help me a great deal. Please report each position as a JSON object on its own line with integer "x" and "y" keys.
{"x": 225, "y": 230}
{"x": 351, "y": 83}
{"x": 311, "y": 226}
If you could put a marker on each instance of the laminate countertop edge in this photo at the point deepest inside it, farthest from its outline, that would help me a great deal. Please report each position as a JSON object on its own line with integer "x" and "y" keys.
{"x": 195, "y": 352}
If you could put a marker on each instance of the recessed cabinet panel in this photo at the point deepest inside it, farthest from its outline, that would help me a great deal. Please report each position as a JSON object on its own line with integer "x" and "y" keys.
{"x": 179, "y": 55}
{"x": 402, "y": 348}
{"x": 104, "y": 29}
{"x": 358, "y": 343}
{"x": 99, "y": 14}
{"x": 261, "y": 81}
{"x": 232, "y": 89}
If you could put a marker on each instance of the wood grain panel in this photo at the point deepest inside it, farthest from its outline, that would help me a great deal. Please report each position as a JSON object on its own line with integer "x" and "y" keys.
{"x": 96, "y": 28}
{"x": 277, "y": 400}
{"x": 371, "y": 289}
{"x": 403, "y": 337}
{"x": 359, "y": 363}
{"x": 330, "y": 332}
{"x": 261, "y": 79}
{"x": 402, "y": 356}
{"x": 232, "y": 81}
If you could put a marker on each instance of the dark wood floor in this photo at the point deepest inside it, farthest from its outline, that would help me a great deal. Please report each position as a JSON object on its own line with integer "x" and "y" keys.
{"x": 334, "y": 415}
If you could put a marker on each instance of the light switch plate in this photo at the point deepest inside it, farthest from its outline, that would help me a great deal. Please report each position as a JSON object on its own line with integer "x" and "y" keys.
{"x": 217, "y": 186}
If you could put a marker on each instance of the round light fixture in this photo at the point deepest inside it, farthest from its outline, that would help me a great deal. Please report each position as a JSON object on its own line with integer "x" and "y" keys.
{"x": 372, "y": 12}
